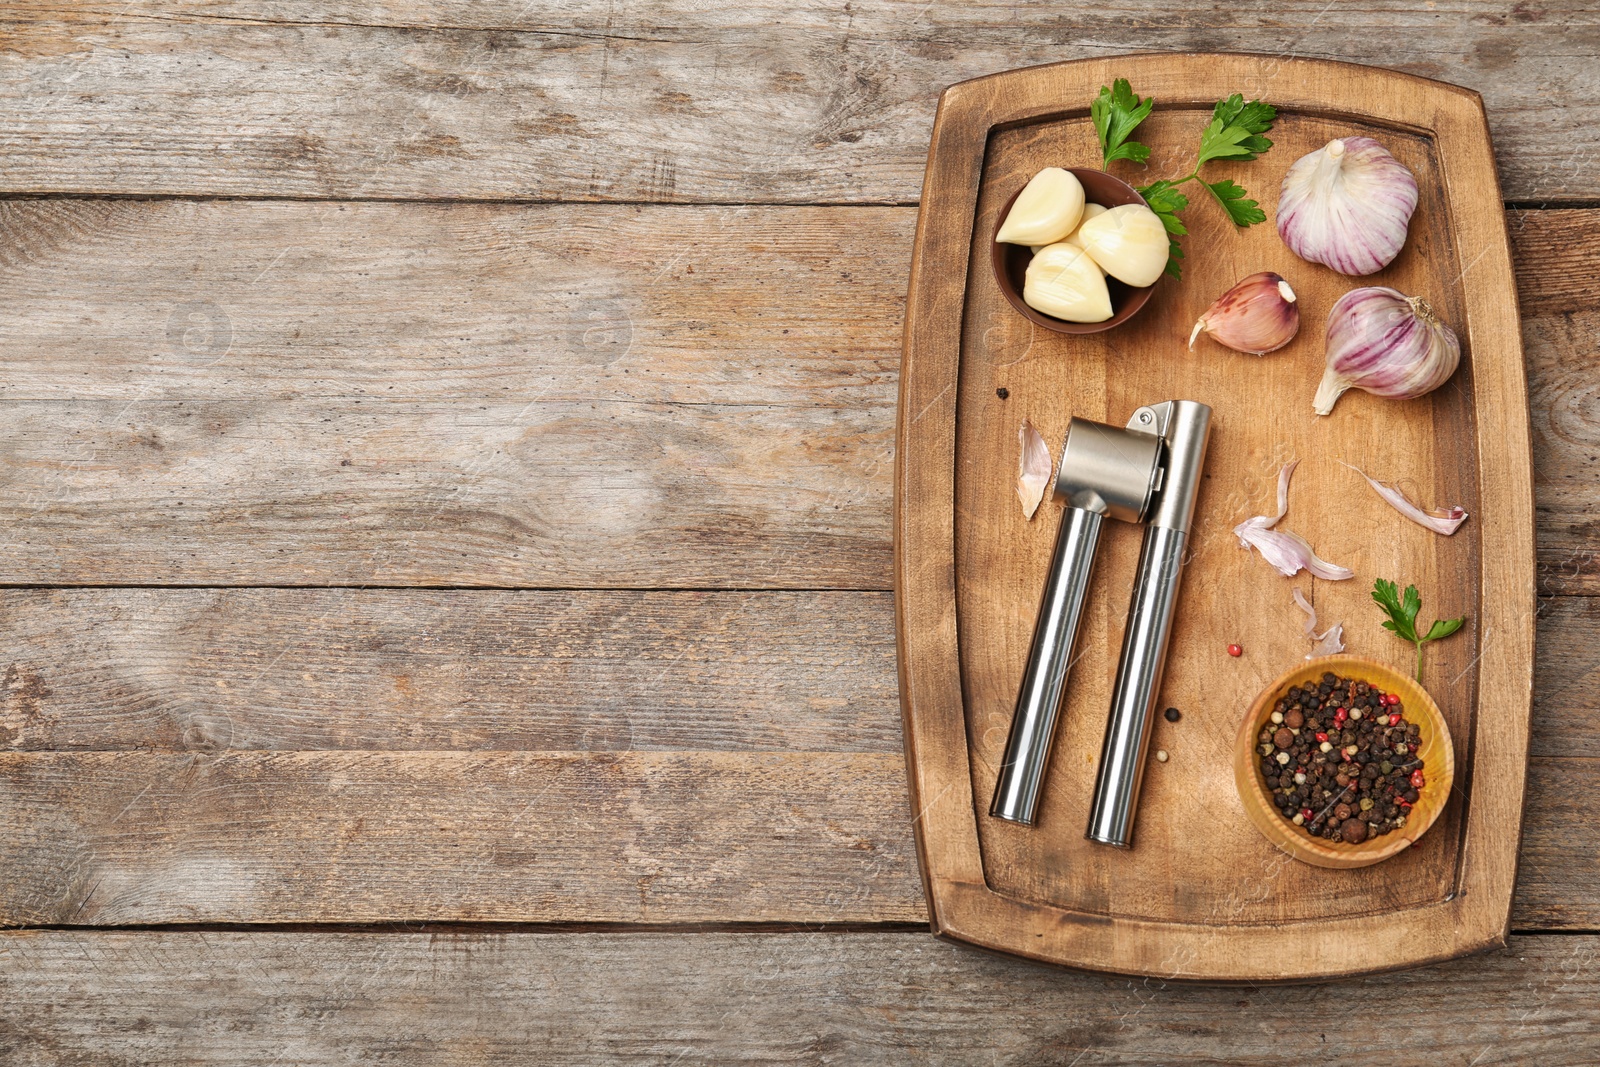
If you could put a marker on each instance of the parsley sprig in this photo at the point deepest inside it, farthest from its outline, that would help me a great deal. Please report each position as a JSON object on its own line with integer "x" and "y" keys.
{"x": 1402, "y": 612}
{"x": 1235, "y": 132}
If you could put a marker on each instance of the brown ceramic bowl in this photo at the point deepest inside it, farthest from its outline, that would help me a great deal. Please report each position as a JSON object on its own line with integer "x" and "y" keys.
{"x": 1011, "y": 261}
{"x": 1437, "y": 754}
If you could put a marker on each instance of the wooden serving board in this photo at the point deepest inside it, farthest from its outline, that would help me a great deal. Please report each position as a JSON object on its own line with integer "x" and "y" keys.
{"x": 1201, "y": 894}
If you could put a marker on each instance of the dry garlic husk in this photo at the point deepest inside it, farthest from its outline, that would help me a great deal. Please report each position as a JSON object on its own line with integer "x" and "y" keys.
{"x": 1033, "y": 468}
{"x": 1129, "y": 242}
{"x": 1257, "y": 316}
{"x": 1063, "y": 281}
{"x": 1347, "y": 206}
{"x": 1387, "y": 344}
{"x": 1048, "y": 208}
{"x": 1089, "y": 212}
{"x": 1288, "y": 553}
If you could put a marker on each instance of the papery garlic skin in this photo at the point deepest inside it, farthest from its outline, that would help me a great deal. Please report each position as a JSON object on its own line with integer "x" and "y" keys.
{"x": 1328, "y": 643}
{"x": 1048, "y": 209}
{"x": 1386, "y": 343}
{"x": 1259, "y": 315}
{"x": 1033, "y": 468}
{"x": 1064, "y": 282}
{"x": 1445, "y": 520}
{"x": 1347, "y": 206}
{"x": 1129, "y": 242}
{"x": 1288, "y": 553}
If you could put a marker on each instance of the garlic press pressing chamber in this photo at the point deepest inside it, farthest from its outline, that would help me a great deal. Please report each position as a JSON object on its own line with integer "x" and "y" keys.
{"x": 1145, "y": 472}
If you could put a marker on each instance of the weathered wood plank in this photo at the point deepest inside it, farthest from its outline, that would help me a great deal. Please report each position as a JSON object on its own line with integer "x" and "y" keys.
{"x": 441, "y": 999}
{"x": 464, "y": 670}
{"x": 202, "y": 670}
{"x": 817, "y": 101}
{"x": 343, "y": 492}
{"x": 140, "y": 301}
{"x": 117, "y": 838}
{"x": 677, "y": 396}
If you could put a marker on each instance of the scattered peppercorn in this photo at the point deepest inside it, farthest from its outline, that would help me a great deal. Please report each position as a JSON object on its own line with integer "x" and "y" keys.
{"x": 1235, "y": 650}
{"x": 1338, "y": 775}
{"x": 1172, "y": 714}
{"x": 1002, "y": 392}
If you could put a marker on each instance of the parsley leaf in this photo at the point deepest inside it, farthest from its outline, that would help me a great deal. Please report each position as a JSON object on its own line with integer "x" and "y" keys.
{"x": 1242, "y": 210}
{"x": 1115, "y": 114}
{"x": 1236, "y": 128}
{"x": 1402, "y": 612}
{"x": 1166, "y": 202}
{"x": 1235, "y": 132}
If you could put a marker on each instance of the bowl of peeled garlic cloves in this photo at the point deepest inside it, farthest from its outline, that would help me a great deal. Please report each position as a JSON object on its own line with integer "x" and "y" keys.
{"x": 1078, "y": 251}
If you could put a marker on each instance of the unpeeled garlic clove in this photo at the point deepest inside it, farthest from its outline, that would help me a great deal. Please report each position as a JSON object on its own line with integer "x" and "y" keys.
{"x": 1129, "y": 242}
{"x": 1048, "y": 208}
{"x": 1347, "y": 206}
{"x": 1257, "y": 316}
{"x": 1064, "y": 282}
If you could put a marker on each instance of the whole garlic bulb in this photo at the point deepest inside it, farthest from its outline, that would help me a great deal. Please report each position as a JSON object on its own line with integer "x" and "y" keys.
{"x": 1347, "y": 206}
{"x": 1386, "y": 343}
{"x": 1048, "y": 208}
{"x": 1257, "y": 316}
{"x": 1063, "y": 281}
{"x": 1129, "y": 242}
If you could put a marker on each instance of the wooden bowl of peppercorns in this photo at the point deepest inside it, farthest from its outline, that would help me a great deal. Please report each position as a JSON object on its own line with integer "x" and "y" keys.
{"x": 1343, "y": 762}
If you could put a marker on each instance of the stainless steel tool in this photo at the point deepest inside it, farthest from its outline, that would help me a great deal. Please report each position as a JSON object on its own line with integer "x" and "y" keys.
{"x": 1148, "y": 472}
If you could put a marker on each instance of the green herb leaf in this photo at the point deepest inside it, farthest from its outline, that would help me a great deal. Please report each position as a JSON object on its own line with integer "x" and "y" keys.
{"x": 1388, "y": 597}
{"x": 1235, "y": 130}
{"x": 1166, "y": 202}
{"x": 1402, "y": 612}
{"x": 1444, "y": 628}
{"x": 1411, "y": 605}
{"x": 1174, "y": 253}
{"x": 1242, "y": 210}
{"x": 1116, "y": 112}
{"x": 1164, "y": 199}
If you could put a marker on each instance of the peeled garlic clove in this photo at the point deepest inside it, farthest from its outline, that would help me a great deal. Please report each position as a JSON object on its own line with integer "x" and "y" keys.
{"x": 1063, "y": 281}
{"x": 1089, "y": 212}
{"x": 1386, "y": 343}
{"x": 1047, "y": 209}
{"x": 1347, "y": 206}
{"x": 1257, "y": 316}
{"x": 1128, "y": 242}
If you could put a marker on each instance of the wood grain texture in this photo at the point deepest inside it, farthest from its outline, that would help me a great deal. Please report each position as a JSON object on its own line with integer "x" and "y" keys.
{"x": 192, "y": 670}
{"x": 821, "y": 100}
{"x": 632, "y": 356}
{"x": 113, "y": 838}
{"x": 462, "y": 670}
{"x": 447, "y": 999}
{"x": 1166, "y": 907}
{"x": 129, "y": 838}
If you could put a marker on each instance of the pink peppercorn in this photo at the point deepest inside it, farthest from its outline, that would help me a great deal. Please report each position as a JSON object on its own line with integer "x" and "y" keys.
{"x": 1235, "y": 650}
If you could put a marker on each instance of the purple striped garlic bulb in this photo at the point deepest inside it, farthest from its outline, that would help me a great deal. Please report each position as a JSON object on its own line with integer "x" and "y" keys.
{"x": 1385, "y": 343}
{"x": 1347, "y": 206}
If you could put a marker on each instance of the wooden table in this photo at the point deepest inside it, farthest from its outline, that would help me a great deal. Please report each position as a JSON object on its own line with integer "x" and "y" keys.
{"x": 446, "y": 483}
